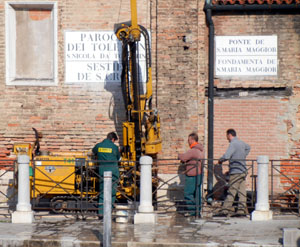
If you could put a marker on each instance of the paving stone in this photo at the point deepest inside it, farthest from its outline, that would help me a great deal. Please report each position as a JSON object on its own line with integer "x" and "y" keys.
{"x": 167, "y": 232}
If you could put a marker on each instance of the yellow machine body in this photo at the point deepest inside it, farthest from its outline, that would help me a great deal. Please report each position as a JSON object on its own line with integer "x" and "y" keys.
{"x": 53, "y": 178}
{"x": 60, "y": 174}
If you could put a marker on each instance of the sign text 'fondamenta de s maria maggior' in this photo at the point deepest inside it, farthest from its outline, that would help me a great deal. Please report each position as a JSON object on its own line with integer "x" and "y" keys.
{"x": 246, "y": 55}
{"x": 95, "y": 56}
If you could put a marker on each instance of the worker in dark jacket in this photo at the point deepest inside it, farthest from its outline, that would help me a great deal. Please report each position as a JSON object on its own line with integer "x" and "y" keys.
{"x": 108, "y": 155}
{"x": 193, "y": 174}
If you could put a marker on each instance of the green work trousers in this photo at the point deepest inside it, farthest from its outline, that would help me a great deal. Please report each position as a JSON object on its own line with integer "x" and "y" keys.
{"x": 192, "y": 194}
{"x": 115, "y": 181}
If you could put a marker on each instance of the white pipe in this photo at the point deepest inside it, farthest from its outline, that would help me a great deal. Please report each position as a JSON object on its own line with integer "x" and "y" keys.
{"x": 146, "y": 185}
{"x": 23, "y": 184}
{"x": 23, "y": 214}
{"x": 262, "y": 202}
{"x": 262, "y": 208}
{"x": 107, "y": 209}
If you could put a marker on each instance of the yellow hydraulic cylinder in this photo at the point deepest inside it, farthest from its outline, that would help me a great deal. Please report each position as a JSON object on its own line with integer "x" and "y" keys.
{"x": 135, "y": 30}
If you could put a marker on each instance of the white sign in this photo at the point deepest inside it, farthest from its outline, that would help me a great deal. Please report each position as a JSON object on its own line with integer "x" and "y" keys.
{"x": 95, "y": 56}
{"x": 246, "y": 55}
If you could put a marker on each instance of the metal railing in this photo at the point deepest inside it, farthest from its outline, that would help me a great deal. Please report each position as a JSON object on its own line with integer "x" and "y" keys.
{"x": 169, "y": 193}
{"x": 8, "y": 186}
{"x": 74, "y": 187}
{"x": 210, "y": 202}
{"x": 285, "y": 186}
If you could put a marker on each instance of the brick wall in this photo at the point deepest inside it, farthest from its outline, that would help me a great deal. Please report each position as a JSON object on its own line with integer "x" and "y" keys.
{"x": 180, "y": 83}
{"x": 261, "y": 122}
{"x": 75, "y": 117}
{"x": 285, "y": 26}
{"x": 291, "y": 169}
{"x": 71, "y": 117}
{"x": 270, "y": 124}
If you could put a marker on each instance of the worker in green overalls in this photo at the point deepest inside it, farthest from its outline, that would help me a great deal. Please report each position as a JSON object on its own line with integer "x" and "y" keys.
{"x": 108, "y": 155}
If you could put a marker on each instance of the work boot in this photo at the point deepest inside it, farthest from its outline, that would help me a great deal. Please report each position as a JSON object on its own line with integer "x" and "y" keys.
{"x": 189, "y": 214}
{"x": 241, "y": 212}
{"x": 224, "y": 213}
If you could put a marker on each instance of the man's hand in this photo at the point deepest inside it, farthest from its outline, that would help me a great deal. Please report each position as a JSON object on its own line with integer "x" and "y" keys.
{"x": 220, "y": 161}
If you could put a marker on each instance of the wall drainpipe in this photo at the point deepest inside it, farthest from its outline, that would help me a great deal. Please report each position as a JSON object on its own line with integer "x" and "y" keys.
{"x": 210, "y": 141}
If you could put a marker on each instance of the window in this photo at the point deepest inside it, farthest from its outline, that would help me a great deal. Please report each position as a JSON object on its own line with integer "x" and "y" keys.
{"x": 31, "y": 38}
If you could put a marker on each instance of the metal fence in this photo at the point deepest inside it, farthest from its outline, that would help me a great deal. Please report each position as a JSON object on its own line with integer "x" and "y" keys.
{"x": 215, "y": 199}
{"x": 284, "y": 186}
{"x": 211, "y": 201}
{"x": 8, "y": 186}
{"x": 74, "y": 187}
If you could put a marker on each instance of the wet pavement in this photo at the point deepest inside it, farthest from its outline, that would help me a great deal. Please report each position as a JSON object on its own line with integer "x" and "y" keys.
{"x": 170, "y": 230}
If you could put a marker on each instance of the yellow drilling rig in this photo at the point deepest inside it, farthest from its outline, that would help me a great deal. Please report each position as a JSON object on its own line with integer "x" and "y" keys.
{"x": 141, "y": 131}
{"x": 64, "y": 181}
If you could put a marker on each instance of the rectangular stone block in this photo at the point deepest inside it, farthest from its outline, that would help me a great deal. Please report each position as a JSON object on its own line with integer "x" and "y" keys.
{"x": 291, "y": 237}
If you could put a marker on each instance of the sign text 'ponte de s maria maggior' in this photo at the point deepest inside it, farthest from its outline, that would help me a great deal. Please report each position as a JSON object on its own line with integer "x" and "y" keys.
{"x": 246, "y": 56}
